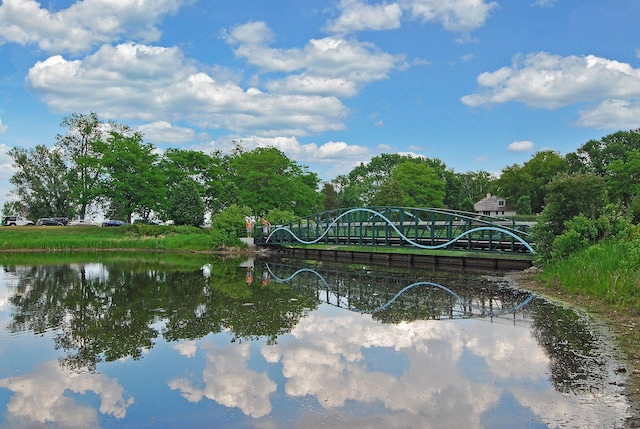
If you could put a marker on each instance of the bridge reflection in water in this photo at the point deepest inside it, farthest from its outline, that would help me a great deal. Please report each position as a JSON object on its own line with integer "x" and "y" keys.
{"x": 399, "y": 297}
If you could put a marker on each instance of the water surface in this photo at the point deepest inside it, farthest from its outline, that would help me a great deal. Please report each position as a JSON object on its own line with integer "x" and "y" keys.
{"x": 107, "y": 342}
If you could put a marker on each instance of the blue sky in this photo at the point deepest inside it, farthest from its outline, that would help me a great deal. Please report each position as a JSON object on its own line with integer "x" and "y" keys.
{"x": 479, "y": 84}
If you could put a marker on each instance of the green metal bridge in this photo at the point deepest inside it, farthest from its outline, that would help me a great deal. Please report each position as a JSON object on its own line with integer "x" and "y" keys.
{"x": 420, "y": 228}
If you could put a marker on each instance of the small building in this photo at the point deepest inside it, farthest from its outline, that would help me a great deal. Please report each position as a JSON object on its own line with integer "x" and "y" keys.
{"x": 493, "y": 205}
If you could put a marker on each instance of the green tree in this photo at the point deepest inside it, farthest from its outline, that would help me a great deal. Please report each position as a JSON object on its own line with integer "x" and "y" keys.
{"x": 412, "y": 185}
{"x": 185, "y": 204}
{"x": 624, "y": 177}
{"x": 595, "y": 155}
{"x": 568, "y": 196}
{"x": 206, "y": 171}
{"x": 531, "y": 178}
{"x": 267, "y": 179}
{"x": 41, "y": 181}
{"x": 476, "y": 185}
{"x": 131, "y": 181}
{"x": 78, "y": 147}
{"x": 330, "y": 195}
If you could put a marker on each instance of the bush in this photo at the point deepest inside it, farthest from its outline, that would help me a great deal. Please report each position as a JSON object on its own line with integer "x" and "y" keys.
{"x": 231, "y": 221}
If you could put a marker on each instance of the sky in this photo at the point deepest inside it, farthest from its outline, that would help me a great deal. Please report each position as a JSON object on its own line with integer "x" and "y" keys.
{"x": 478, "y": 84}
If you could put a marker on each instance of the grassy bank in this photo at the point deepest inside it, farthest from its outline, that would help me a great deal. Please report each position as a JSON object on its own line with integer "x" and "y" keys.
{"x": 134, "y": 237}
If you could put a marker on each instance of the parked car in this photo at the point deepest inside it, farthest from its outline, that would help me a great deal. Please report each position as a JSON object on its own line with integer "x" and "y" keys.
{"x": 16, "y": 221}
{"x": 62, "y": 220}
{"x": 113, "y": 222}
{"x": 48, "y": 221}
{"x": 81, "y": 222}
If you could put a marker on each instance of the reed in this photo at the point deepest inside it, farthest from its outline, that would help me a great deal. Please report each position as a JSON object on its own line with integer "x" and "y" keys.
{"x": 609, "y": 271}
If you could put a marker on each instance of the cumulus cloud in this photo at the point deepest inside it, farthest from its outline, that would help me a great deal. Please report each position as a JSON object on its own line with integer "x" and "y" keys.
{"x": 521, "y": 146}
{"x": 612, "y": 114}
{"x": 84, "y": 24}
{"x": 357, "y": 16}
{"x": 43, "y": 397}
{"x": 454, "y": 15}
{"x": 551, "y": 81}
{"x": 151, "y": 83}
{"x": 165, "y": 132}
{"x": 229, "y": 382}
{"x": 331, "y": 66}
{"x": 329, "y": 159}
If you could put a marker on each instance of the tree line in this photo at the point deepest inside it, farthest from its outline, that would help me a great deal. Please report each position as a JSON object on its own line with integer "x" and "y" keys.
{"x": 107, "y": 167}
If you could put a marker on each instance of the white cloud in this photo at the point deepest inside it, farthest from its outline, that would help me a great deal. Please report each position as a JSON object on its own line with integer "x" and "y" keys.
{"x": 84, "y": 24}
{"x": 331, "y": 66}
{"x": 551, "y": 81}
{"x": 229, "y": 382}
{"x": 150, "y": 83}
{"x": 521, "y": 146}
{"x": 358, "y": 16}
{"x": 612, "y": 114}
{"x": 454, "y": 15}
{"x": 543, "y": 3}
{"x": 187, "y": 348}
{"x": 165, "y": 132}
{"x": 43, "y": 397}
{"x": 6, "y": 162}
{"x": 3, "y": 127}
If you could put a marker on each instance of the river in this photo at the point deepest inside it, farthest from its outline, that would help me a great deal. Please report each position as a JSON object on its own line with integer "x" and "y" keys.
{"x": 111, "y": 341}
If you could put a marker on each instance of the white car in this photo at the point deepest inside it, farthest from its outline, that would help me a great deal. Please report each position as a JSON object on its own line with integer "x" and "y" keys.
{"x": 81, "y": 222}
{"x": 16, "y": 221}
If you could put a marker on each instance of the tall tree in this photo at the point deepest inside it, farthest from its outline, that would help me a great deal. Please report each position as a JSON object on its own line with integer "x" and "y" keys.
{"x": 596, "y": 155}
{"x": 412, "y": 185}
{"x": 330, "y": 197}
{"x": 78, "y": 147}
{"x": 186, "y": 206}
{"x": 267, "y": 179}
{"x": 206, "y": 171}
{"x": 131, "y": 181}
{"x": 41, "y": 181}
{"x": 531, "y": 178}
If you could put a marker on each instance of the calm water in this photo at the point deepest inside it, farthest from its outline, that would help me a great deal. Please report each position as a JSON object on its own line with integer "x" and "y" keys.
{"x": 199, "y": 342}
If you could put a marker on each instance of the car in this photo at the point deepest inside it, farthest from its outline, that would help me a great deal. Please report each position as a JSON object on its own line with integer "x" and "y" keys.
{"x": 16, "y": 220}
{"x": 48, "y": 221}
{"x": 113, "y": 222}
{"x": 81, "y": 222}
{"x": 62, "y": 220}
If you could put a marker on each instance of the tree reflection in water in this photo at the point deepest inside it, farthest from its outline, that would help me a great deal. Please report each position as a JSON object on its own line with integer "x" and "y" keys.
{"x": 105, "y": 312}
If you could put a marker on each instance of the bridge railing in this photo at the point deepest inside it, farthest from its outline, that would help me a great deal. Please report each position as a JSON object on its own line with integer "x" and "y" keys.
{"x": 401, "y": 226}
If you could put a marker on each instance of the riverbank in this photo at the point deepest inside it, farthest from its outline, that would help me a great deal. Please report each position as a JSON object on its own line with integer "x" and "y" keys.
{"x": 624, "y": 325}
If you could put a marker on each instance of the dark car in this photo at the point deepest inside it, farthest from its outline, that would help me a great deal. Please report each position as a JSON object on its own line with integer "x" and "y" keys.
{"x": 112, "y": 222}
{"x": 48, "y": 221}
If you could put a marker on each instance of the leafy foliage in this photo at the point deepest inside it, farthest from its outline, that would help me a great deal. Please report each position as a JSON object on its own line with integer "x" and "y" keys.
{"x": 186, "y": 207}
{"x": 41, "y": 181}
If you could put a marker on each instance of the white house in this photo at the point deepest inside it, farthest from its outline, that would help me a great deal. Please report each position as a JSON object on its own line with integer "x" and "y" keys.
{"x": 492, "y": 205}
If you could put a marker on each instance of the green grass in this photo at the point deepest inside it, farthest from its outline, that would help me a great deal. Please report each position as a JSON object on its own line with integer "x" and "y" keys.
{"x": 135, "y": 237}
{"x": 609, "y": 271}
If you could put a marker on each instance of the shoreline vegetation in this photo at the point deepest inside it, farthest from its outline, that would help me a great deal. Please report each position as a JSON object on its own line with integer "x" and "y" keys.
{"x": 601, "y": 280}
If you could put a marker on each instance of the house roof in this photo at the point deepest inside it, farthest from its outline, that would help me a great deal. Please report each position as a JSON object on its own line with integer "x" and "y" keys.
{"x": 492, "y": 203}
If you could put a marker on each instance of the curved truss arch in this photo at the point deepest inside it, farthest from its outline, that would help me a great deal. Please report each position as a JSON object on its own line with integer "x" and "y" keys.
{"x": 461, "y": 301}
{"x": 466, "y": 228}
